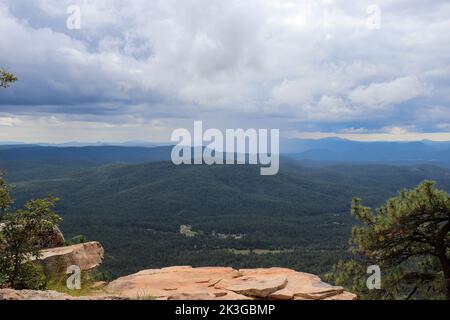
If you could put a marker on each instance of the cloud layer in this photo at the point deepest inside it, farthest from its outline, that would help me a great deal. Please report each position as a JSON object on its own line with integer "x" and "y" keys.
{"x": 144, "y": 67}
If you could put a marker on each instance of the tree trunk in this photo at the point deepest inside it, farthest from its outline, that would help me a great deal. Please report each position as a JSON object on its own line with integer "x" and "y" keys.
{"x": 15, "y": 272}
{"x": 446, "y": 268}
{"x": 441, "y": 251}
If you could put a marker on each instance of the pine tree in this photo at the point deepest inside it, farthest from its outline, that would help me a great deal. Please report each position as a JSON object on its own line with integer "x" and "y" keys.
{"x": 409, "y": 239}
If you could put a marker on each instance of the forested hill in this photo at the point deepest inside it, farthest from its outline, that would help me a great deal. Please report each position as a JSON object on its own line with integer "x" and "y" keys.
{"x": 298, "y": 218}
{"x": 87, "y": 154}
{"x": 222, "y": 189}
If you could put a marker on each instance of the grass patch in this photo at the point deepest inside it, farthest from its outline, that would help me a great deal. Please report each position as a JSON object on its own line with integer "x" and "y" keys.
{"x": 88, "y": 279}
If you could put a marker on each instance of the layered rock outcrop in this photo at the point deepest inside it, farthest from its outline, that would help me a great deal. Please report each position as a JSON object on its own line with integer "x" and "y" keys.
{"x": 215, "y": 283}
{"x": 181, "y": 283}
{"x": 187, "y": 283}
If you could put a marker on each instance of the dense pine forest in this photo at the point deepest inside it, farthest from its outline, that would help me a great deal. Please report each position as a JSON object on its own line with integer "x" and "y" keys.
{"x": 149, "y": 213}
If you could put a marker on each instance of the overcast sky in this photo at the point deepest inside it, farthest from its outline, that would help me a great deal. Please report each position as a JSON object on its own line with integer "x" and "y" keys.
{"x": 137, "y": 69}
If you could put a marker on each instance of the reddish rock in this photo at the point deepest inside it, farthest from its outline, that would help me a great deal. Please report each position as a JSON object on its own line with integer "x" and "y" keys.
{"x": 283, "y": 294}
{"x": 173, "y": 282}
{"x": 85, "y": 255}
{"x": 299, "y": 285}
{"x": 187, "y": 283}
{"x": 256, "y": 286}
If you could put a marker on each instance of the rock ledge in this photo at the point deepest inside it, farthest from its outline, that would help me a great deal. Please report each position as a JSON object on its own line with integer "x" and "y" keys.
{"x": 210, "y": 283}
{"x": 217, "y": 283}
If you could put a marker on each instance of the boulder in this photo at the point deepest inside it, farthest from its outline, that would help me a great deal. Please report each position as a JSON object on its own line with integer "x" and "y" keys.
{"x": 84, "y": 255}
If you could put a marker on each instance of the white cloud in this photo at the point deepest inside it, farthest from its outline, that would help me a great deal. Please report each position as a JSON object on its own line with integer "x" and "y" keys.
{"x": 59, "y": 129}
{"x": 9, "y": 121}
{"x": 385, "y": 94}
{"x": 303, "y": 62}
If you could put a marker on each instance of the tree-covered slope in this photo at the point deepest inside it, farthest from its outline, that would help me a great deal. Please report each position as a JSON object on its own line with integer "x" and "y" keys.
{"x": 136, "y": 210}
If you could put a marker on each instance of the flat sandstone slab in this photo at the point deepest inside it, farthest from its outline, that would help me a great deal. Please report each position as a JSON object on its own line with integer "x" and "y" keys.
{"x": 216, "y": 283}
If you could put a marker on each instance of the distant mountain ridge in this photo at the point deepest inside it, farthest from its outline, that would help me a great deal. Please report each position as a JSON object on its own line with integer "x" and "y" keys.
{"x": 328, "y": 151}
{"x": 345, "y": 151}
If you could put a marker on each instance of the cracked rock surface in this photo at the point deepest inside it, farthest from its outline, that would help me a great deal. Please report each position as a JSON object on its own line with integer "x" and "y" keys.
{"x": 211, "y": 283}
{"x": 216, "y": 283}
